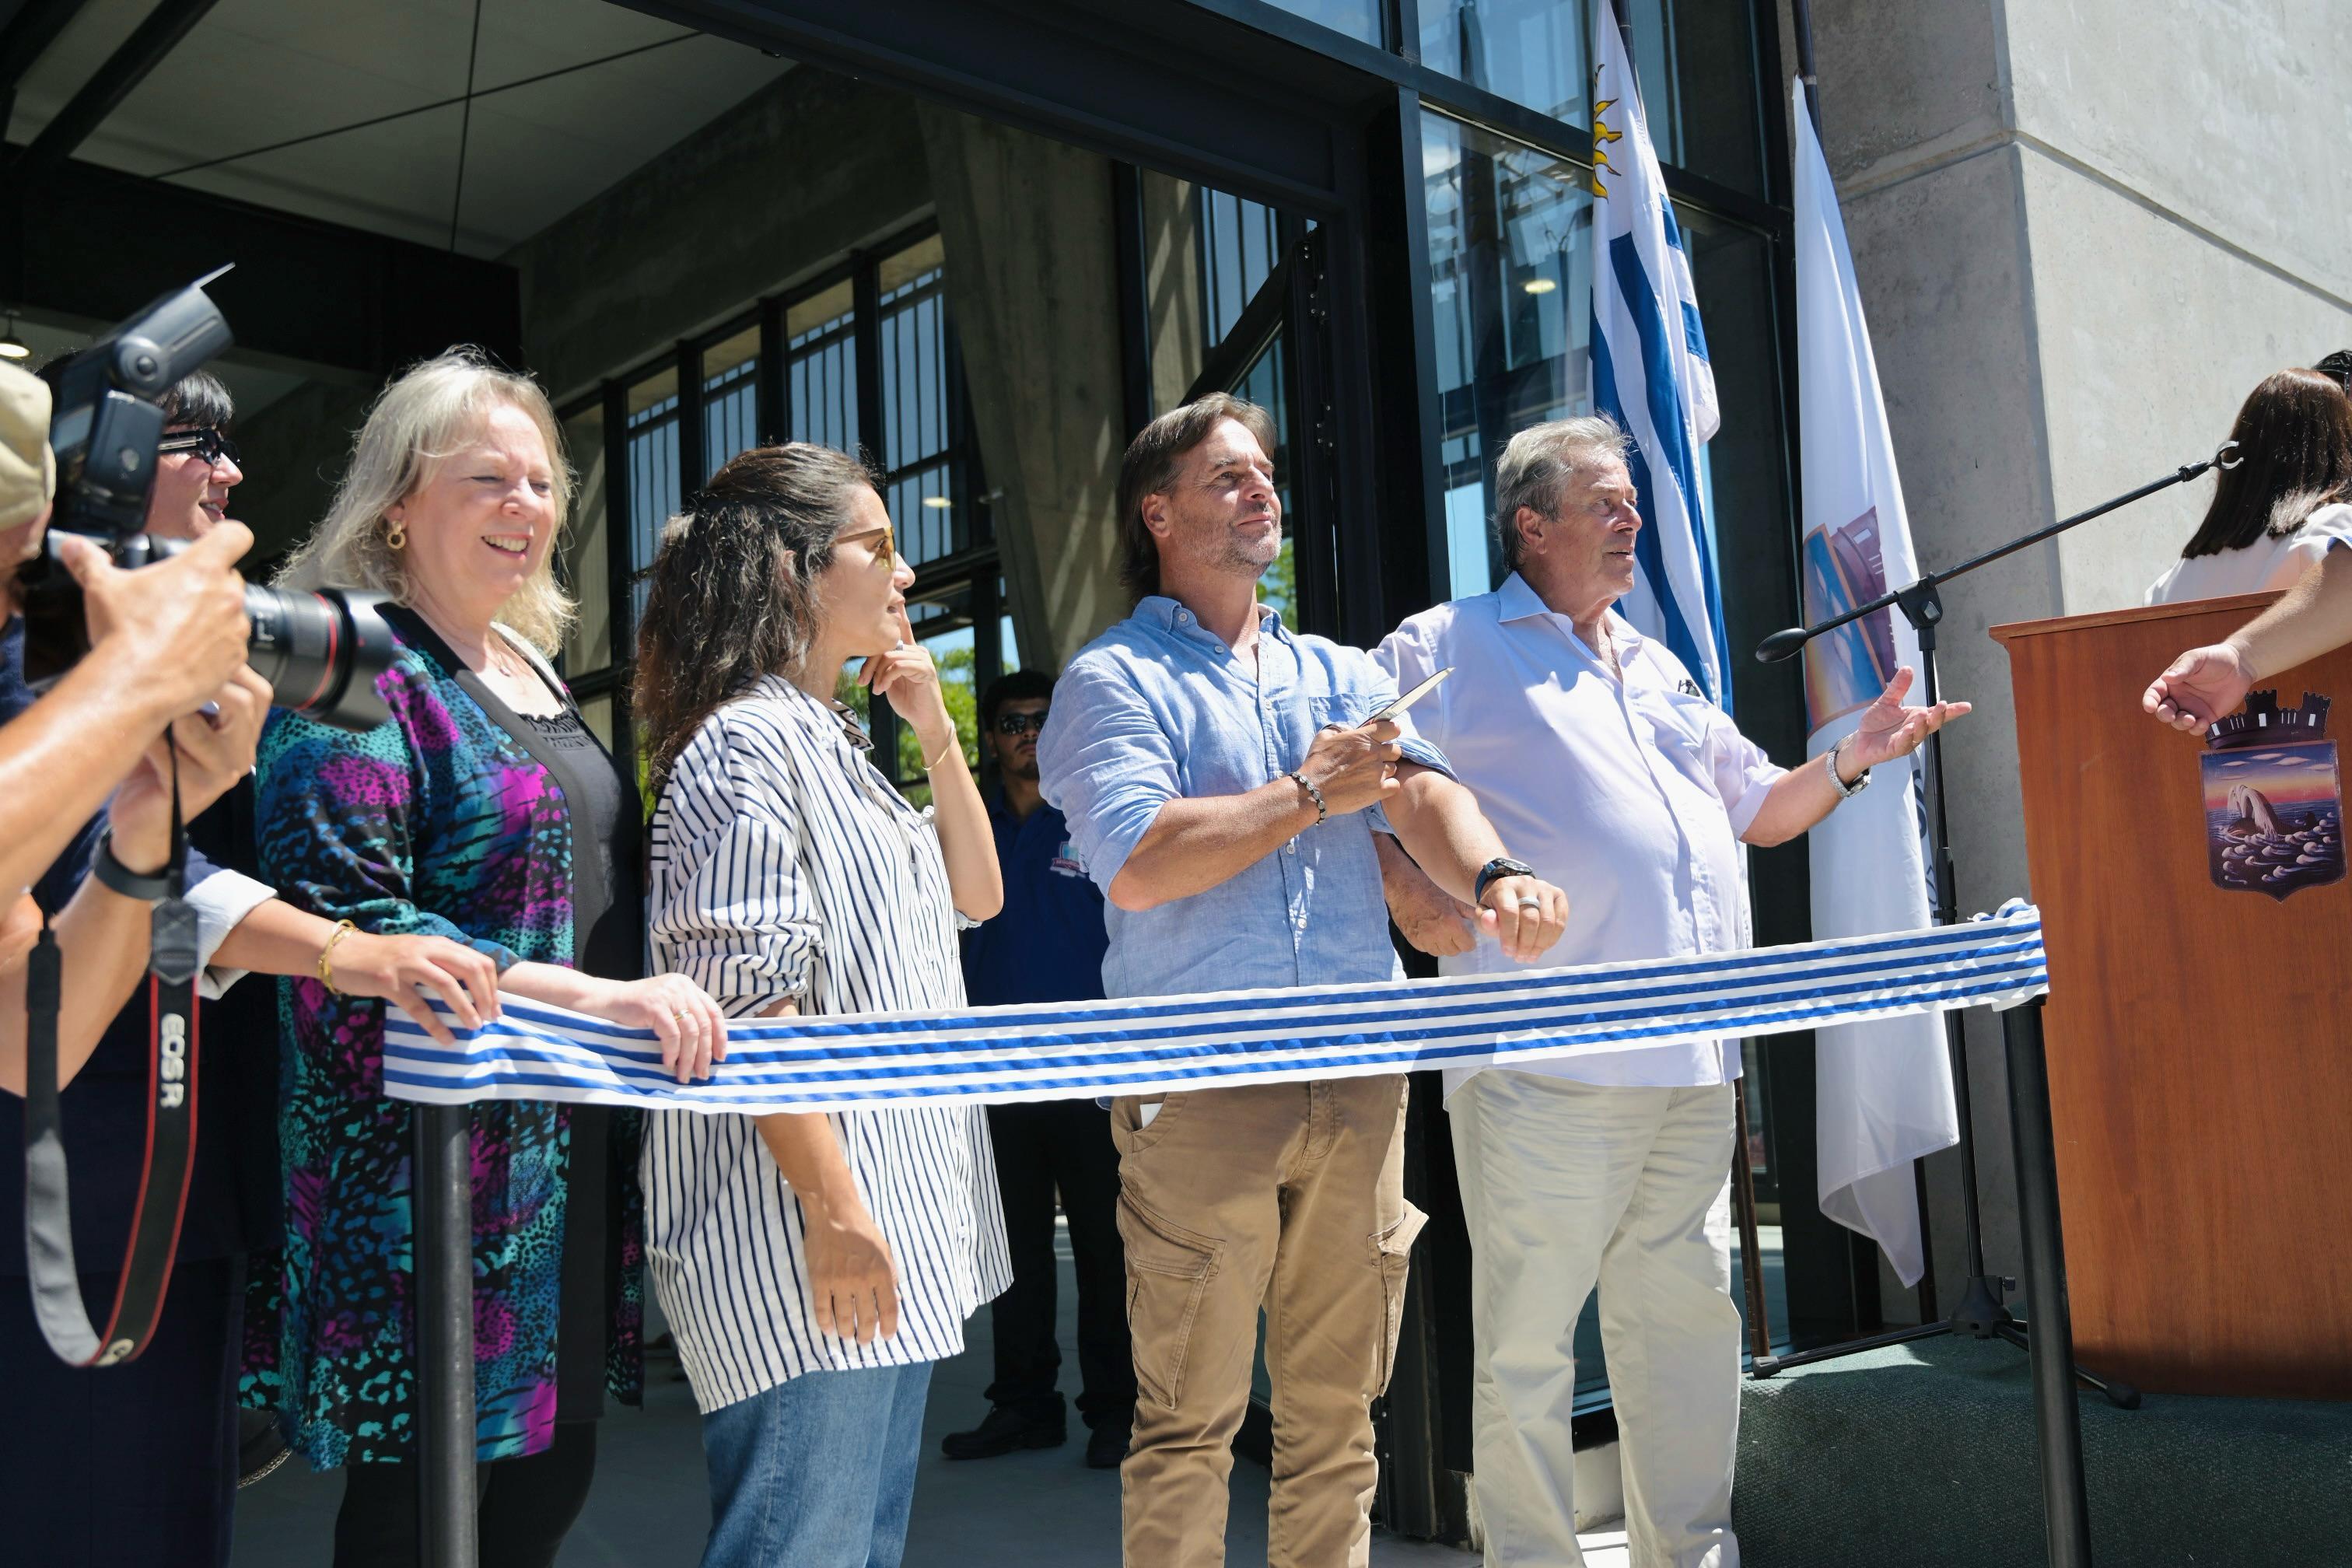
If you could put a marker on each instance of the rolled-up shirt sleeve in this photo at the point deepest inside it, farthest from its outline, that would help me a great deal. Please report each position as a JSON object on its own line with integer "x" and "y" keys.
{"x": 221, "y": 899}
{"x": 1743, "y": 773}
{"x": 1106, "y": 764}
{"x": 745, "y": 926}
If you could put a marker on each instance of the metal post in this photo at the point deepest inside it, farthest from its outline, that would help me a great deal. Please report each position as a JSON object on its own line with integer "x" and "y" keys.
{"x": 1751, "y": 1249}
{"x": 441, "y": 1198}
{"x": 2065, "y": 1507}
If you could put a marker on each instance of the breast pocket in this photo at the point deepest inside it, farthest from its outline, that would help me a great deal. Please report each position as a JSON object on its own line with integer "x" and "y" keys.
{"x": 1681, "y": 728}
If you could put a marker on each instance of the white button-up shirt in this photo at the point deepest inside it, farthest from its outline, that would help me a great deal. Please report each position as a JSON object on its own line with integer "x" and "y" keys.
{"x": 1628, "y": 794}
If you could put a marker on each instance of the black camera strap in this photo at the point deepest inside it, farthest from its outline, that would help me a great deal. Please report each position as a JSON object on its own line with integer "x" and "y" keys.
{"x": 146, "y": 1275}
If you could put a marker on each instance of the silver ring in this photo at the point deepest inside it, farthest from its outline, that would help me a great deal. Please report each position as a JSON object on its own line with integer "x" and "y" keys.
{"x": 1534, "y": 904}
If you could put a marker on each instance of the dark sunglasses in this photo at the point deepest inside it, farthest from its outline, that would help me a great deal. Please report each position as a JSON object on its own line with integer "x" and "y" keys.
{"x": 206, "y": 442}
{"x": 1021, "y": 723}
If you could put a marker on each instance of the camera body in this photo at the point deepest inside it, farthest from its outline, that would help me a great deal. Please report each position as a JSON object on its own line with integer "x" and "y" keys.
{"x": 321, "y": 652}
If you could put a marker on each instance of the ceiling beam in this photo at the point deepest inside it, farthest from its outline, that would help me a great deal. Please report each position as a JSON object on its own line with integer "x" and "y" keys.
{"x": 147, "y": 47}
{"x": 28, "y": 35}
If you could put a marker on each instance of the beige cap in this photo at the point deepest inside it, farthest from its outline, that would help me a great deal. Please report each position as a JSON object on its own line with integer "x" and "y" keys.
{"x": 28, "y": 472}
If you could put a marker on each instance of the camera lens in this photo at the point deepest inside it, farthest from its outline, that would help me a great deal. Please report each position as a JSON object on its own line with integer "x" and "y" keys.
{"x": 321, "y": 652}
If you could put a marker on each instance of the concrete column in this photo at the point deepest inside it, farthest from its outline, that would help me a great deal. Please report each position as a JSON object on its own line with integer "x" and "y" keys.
{"x": 1033, "y": 281}
{"x": 2082, "y": 234}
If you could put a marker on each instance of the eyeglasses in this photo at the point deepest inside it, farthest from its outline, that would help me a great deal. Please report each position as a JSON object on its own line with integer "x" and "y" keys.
{"x": 205, "y": 441}
{"x": 885, "y": 549}
{"x": 1021, "y": 723}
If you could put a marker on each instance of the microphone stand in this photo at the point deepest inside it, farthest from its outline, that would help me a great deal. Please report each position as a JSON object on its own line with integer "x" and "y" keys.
{"x": 1981, "y": 1313}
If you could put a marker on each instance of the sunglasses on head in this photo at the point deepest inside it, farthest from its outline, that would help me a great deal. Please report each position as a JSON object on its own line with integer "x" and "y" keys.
{"x": 205, "y": 441}
{"x": 1021, "y": 723}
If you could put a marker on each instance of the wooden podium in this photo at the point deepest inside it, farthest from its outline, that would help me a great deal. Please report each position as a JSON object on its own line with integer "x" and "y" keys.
{"x": 2201, "y": 1065}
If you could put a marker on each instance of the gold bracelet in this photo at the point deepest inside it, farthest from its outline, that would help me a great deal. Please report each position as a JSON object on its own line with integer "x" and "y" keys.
{"x": 326, "y": 955}
{"x": 952, "y": 747}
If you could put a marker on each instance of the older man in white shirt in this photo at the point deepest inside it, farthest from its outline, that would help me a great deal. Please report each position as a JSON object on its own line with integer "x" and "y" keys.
{"x": 1595, "y": 754}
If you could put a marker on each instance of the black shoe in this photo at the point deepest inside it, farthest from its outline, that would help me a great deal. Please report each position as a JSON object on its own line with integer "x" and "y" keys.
{"x": 1004, "y": 1430}
{"x": 1106, "y": 1445}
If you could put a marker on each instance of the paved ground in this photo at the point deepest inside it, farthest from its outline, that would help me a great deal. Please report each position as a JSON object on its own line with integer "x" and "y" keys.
{"x": 650, "y": 1509}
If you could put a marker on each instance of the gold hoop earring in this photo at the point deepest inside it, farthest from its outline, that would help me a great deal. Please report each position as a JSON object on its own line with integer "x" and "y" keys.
{"x": 396, "y": 536}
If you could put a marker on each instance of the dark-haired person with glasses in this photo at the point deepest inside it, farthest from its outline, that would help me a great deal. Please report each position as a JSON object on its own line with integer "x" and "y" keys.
{"x": 195, "y": 462}
{"x": 1046, "y": 946}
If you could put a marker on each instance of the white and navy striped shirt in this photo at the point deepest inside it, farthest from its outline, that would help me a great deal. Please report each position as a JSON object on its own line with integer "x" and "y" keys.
{"x": 784, "y": 865}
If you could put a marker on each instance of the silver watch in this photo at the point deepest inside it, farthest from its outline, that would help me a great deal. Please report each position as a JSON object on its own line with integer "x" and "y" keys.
{"x": 1845, "y": 791}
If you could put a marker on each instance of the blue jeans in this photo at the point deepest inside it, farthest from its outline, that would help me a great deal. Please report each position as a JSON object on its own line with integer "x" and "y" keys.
{"x": 816, "y": 1472}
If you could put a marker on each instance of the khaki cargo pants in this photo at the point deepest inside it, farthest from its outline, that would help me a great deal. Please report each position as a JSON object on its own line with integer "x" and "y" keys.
{"x": 1289, "y": 1196}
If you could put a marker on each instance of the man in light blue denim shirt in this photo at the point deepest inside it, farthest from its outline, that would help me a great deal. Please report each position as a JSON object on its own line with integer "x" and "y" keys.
{"x": 1223, "y": 778}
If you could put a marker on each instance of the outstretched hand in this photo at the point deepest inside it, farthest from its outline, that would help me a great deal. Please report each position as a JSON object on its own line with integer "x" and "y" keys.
{"x": 2199, "y": 687}
{"x": 1888, "y": 730}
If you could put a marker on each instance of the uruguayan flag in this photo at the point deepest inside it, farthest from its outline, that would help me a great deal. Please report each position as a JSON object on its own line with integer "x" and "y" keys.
{"x": 1650, "y": 370}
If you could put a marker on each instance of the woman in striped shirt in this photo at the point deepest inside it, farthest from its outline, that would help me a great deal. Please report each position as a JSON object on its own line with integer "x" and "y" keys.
{"x": 811, "y": 1266}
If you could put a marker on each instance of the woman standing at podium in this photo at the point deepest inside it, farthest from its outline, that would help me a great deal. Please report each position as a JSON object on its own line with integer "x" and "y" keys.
{"x": 2282, "y": 505}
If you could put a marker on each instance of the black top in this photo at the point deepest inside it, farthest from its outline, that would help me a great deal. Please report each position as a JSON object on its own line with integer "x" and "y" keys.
{"x": 607, "y": 942}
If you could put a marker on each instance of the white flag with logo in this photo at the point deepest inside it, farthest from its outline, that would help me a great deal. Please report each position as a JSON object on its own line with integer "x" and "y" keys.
{"x": 1884, "y": 1090}
{"x": 1650, "y": 369}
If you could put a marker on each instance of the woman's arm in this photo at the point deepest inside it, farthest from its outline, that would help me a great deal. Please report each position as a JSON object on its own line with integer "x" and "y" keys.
{"x": 2204, "y": 683}
{"x": 907, "y": 678}
{"x": 852, "y": 1277}
{"x": 689, "y": 1024}
{"x": 276, "y": 937}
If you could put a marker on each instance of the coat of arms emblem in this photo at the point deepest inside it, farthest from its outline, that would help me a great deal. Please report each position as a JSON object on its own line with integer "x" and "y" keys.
{"x": 2273, "y": 798}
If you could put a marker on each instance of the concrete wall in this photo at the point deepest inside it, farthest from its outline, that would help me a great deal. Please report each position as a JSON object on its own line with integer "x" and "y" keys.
{"x": 769, "y": 193}
{"x": 2083, "y": 233}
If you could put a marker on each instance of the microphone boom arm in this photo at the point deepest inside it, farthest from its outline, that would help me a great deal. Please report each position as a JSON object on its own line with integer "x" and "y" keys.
{"x": 1920, "y": 602}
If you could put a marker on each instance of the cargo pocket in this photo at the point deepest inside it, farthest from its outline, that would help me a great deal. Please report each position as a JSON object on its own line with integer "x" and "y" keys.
{"x": 1168, "y": 1274}
{"x": 1392, "y": 1254}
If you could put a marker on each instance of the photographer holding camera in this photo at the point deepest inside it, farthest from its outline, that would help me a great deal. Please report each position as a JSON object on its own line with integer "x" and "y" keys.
{"x": 138, "y": 1462}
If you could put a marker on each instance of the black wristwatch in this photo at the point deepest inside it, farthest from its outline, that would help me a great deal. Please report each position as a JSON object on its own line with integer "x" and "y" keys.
{"x": 114, "y": 874}
{"x": 1494, "y": 871}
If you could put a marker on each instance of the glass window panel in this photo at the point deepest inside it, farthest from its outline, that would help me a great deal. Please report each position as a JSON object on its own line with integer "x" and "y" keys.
{"x": 1696, "y": 60}
{"x": 587, "y": 563}
{"x": 1239, "y": 243}
{"x": 597, "y": 712}
{"x": 1360, "y": 19}
{"x": 819, "y": 312}
{"x": 1510, "y": 283}
{"x": 654, "y": 471}
{"x": 919, "y": 264}
{"x": 823, "y": 389}
{"x": 730, "y": 396}
{"x": 915, "y": 386}
{"x": 922, "y": 509}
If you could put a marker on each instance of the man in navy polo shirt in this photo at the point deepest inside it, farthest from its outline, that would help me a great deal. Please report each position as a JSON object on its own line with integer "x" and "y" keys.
{"x": 1047, "y": 945}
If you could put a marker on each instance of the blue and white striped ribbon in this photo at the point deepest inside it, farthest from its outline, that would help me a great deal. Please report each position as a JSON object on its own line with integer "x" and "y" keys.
{"x": 1084, "y": 1050}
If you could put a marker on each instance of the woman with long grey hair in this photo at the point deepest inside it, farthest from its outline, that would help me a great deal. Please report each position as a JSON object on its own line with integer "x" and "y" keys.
{"x": 485, "y": 812}
{"x": 811, "y": 1266}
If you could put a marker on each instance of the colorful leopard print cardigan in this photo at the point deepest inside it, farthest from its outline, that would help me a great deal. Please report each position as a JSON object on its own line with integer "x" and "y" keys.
{"x": 438, "y": 824}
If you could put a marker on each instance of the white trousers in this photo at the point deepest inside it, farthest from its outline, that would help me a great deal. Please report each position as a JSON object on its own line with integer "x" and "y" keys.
{"x": 1569, "y": 1185}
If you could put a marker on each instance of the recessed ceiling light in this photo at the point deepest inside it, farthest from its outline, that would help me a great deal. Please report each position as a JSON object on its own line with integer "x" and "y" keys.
{"x": 938, "y": 503}
{"x": 1540, "y": 285}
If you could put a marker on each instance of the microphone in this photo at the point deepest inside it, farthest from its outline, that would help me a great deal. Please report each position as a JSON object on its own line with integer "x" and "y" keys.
{"x": 1780, "y": 645}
